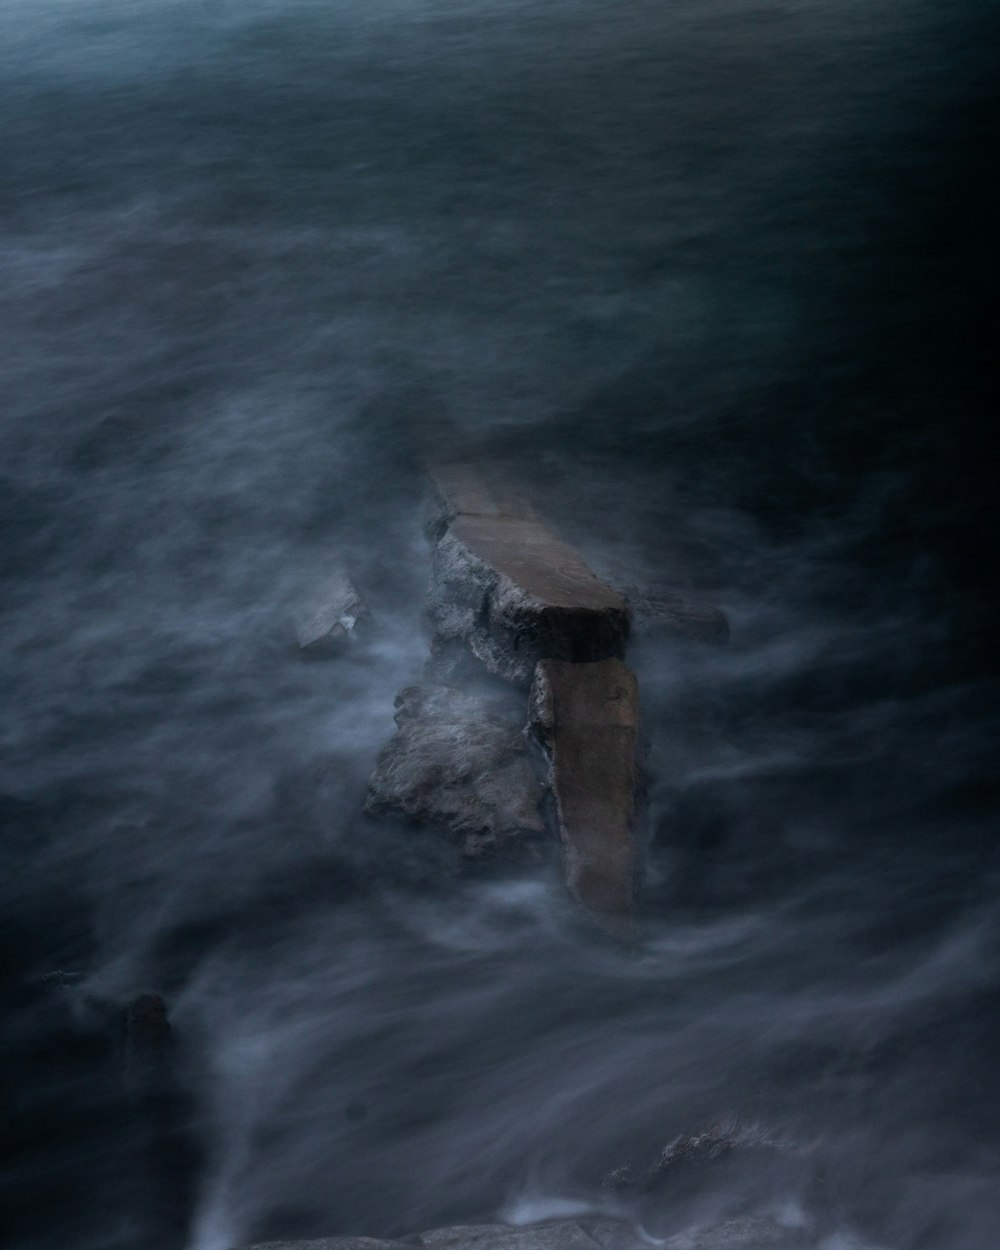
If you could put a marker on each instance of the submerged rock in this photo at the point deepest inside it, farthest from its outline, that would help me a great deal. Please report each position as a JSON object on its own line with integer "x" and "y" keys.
{"x": 458, "y": 762}
{"x": 586, "y": 718}
{"x": 690, "y": 1158}
{"x": 330, "y": 618}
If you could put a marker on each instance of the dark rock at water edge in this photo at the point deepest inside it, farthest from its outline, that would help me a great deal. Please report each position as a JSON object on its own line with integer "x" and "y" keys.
{"x": 689, "y": 1158}
{"x": 459, "y": 762}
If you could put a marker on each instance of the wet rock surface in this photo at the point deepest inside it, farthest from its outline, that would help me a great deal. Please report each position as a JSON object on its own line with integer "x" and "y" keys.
{"x": 586, "y": 718}
{"x": 330, "y": 617}
{"x": 750, "y": 1233}
{"x": 459, "y": 762}
{"x": 509, "y": 590}
{"x": 692, "y": 1159}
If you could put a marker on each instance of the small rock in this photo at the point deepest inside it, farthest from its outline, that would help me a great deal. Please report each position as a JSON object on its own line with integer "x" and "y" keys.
{"x": 61, "y": 978}
{"x": 460, "y": 762}
{"x": 331, "y": 619}
{"x": 687, "y": 1156}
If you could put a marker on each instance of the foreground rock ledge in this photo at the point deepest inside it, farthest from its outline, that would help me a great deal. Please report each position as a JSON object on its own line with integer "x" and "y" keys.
{"x": 586, "y": 718}
{"x": 579, "y": 1234}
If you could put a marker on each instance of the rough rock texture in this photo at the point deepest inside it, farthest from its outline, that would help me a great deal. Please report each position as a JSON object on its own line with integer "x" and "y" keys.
{"x": 586, "y": 718}
{"x": 509, "y": 590}
{"x": 331, "y": 617}
{"x": 509, "y": 596}
{"x": 585, "y": 1233}
{"x": 459, "y": 762}
{"x": 685, "y": 1156}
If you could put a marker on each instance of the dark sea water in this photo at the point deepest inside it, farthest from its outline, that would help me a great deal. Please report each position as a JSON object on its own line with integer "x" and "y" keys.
{"x": 717, "y": 278}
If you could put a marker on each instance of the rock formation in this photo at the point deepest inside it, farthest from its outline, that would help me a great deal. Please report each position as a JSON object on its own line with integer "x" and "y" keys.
{"x": 512, "y": 592}
{"x": 510, "y": 600}
{"x": 459, "y": 762}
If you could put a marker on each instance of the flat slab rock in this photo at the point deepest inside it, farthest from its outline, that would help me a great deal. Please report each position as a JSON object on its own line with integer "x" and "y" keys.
{"x": 459, "y": 762}
{"x": 586, "y": 717}
{"x": 577, "y": 1234}
{"x": 509, "y": 590}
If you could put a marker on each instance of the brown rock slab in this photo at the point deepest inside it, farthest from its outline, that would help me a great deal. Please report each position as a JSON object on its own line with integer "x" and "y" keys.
{"x": 586, "y": 717}
{"x": 509, "y": 590}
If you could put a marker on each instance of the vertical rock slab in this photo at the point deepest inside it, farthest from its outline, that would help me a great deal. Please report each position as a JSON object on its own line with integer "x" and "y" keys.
{"x": 586, "y": 717}
{"x": 509, "y": 590}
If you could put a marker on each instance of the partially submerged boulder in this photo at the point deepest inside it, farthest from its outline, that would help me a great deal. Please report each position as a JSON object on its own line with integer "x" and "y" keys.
{"x": 509, "y": 590}
{"x": 330, "y": 618}
{"x": 459, "y": 762}
{"x": 586, "y": 718}
{"x": 701, "y": 1158}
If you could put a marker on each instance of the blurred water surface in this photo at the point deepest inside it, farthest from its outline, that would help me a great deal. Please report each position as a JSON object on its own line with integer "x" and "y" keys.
{"x": 717, "y": 279}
